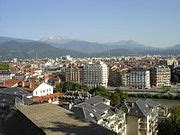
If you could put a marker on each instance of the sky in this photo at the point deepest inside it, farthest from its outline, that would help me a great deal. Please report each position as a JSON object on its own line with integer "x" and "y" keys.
{"x": 150, "y": 22}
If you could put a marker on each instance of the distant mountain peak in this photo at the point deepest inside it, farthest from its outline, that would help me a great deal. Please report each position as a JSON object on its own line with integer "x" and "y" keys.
{"x": 52, "y": 38}
{"x": 177, "y": 46}
{"x": 55, "y": 39}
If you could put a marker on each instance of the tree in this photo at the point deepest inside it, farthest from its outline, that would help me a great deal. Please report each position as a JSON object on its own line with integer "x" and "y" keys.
{"x": 123, "y": 96}
{"x": 171, "y": 125}
{"x": 58, "y": 88}
{"x": 4, "y": 66}
{"x": 101, "y": 91}
{"x": 117, "y": 97}
{"x": 70, "y": 86}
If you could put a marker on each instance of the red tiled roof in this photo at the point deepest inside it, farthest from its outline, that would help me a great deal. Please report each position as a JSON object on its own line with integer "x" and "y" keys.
{"x": 30, "y": 86}
{"x": 47, "y": 97}
{"x": 11, "y": 82}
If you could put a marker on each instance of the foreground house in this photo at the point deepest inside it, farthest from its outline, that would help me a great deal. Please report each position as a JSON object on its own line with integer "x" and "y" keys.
{"x": 42, "y": 90}
{"x": 36, "y": 88}
{"x": 53, "y": 120}
{"x": 144, "y": 116}
{"x": 70, "y": 98}
{"x": 97, "y": 109}
{"x": 5, "y": 75}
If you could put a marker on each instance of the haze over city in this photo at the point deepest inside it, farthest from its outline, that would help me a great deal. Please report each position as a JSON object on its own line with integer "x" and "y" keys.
{"x": 153, "y": 23}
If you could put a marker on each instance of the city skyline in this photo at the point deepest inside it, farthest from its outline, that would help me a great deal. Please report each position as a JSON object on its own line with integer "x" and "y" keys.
{"x": 153, "y": 23}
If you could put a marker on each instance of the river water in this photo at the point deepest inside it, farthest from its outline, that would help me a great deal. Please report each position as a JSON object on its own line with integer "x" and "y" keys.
{"x": 167, "y": 102}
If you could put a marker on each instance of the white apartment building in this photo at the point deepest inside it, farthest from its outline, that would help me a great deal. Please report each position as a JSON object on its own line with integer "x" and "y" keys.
{"x": 139, "y": 78}
{"x": 125, "y": 79}
{"x": 142, "y": 118}
{"x": 115, "y": 122}
{"x": 95, "y": 74}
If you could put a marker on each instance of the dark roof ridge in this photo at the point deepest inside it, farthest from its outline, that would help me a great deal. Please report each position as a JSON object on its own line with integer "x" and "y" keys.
{"x": 137, "y": 103}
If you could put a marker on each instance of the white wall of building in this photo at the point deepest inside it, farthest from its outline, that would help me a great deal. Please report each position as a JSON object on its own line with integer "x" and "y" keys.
{"x": 139, "y": 79}
{"x": 95, "y": 74}
{"x": 43, "y": 90}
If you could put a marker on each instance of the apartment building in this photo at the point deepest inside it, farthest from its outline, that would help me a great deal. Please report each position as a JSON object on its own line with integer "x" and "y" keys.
{"x": 142, "y": 118}
{"x": 97, "y": 110}
{"x": 95, "y": 74}
{"x": 115, "y": 77}
{"x": 5, "y": 75}
{"x": 139, "y": 78}
{"x": 74, "y": 74}
{"x": 125, "y": 79}
{"x": 115, "y": 122}
{"x": 160, "y": 76}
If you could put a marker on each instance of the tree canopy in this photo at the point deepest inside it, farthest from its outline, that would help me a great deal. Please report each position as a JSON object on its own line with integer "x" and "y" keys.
{"x": 101, "y": 91}
{"x": 70, "y": 86}
{"x": 4, "y": 66}
{"x": 117, "y": 97}
{"x": 171, "y": 126}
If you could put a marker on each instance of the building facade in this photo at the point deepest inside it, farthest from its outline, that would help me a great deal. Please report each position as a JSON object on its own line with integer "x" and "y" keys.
{"x": 139, "y": 78}
{"x": 95, "y": 74}
{"x": 43, "y": 89}
{"x": 115, "y": 77}
{"x": 74, "y": 74}
{"x": 5, "y": 75}
{"x": 143, "y": 117}
{"x": 160, "y": 76}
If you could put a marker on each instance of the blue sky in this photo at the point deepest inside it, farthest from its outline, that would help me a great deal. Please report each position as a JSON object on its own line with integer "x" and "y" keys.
{"x": 151, "y": 22}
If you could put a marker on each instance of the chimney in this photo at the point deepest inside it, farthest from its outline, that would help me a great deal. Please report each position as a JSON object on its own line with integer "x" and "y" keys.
{"x": 132, "y": 104}
{"x": 23, "y": 83}
{"x": 30, "y": 85}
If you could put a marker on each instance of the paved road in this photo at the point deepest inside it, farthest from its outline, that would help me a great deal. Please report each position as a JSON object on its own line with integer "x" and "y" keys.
{"x": 146, "y": 91}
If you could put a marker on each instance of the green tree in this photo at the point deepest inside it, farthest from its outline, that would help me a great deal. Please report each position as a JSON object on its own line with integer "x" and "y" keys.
{"x": 117, "y": 97}
{"x": 171, "y": 125}
{"x": 100, "y": 90}
{"x": 4, "y": 66}
{"x": 57, "y": 88}
{"x": 70, "y": 86}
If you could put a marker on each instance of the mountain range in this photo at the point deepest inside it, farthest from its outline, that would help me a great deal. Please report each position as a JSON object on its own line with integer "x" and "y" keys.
{"x": 56, "y": 46}
{"x": 92, "y": 47}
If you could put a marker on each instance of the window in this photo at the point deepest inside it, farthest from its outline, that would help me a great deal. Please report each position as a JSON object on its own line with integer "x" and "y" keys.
{"x": 92, "y": 115}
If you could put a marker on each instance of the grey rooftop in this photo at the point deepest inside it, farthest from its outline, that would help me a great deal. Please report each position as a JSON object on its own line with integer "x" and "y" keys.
{"x": 57, "y": 120}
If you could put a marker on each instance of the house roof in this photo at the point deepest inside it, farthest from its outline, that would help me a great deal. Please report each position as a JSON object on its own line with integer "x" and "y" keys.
{"x": 14, "y": 91}
{"x": 6, "y": 100}
{"x": 90, "y": 108}
{"x": 140, "y": 108}
{"x": 57, "y": 120}
{"x": 102, "y": 106}
{"x": 144, "y": 107}
{"x": 95, "y": 100}
{"x": 47, "y": 97}
{"x": 11, "y": 82}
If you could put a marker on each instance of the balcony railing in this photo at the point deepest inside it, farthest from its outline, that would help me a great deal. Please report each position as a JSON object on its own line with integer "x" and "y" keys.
{"x": 142, "y": 126}
{"x": 142, "y": 121}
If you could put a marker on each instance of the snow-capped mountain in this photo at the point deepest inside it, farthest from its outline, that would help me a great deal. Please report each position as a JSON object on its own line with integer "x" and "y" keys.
{"x": 55, "y": 39}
